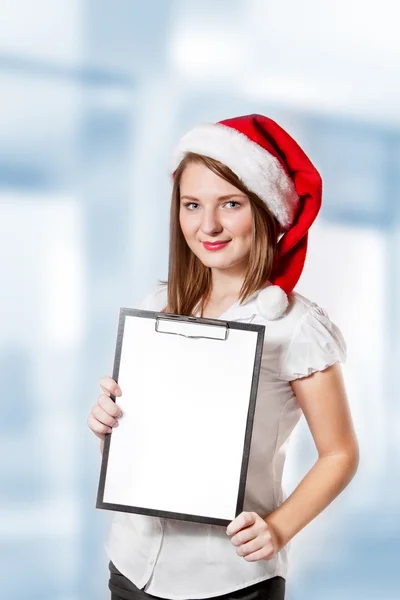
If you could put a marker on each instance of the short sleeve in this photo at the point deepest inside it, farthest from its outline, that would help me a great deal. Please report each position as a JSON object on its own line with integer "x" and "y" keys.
{"x": 317, "y": 343}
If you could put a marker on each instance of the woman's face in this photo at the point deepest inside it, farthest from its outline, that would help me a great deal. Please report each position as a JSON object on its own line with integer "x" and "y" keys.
{"x": 213, "y": 210}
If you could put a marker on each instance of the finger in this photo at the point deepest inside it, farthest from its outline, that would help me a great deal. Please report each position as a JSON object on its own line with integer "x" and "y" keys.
{"x": 109, "y": 406}
{"x": 258, "y": 528}
{"x": 101, "y": 415}
{"x": 244, "y": 535}
{"x": 97, "y": 427}
{"x": 110, "y": 386}
{"x": 252, "y": 546}
{"x": 264, "y": 553}
{"x": 245, "y": 519}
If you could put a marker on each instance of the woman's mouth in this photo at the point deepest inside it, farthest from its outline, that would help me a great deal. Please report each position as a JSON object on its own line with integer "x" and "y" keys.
{"x": 215, "y": 245}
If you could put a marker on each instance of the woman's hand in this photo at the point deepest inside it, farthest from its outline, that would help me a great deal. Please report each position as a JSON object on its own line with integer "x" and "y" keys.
{"x": 253, "y": 537}
{"x": 105, "y": 413}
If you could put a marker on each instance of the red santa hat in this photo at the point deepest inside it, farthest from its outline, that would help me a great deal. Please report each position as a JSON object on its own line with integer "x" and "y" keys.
{"x": 272, "y": 165}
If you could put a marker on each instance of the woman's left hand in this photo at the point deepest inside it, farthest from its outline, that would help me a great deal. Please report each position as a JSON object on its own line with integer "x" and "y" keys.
{"x": 253, "y": 537}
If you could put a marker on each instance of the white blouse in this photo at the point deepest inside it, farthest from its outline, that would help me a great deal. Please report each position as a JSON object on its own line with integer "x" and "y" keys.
{"x": 179, "y": 559}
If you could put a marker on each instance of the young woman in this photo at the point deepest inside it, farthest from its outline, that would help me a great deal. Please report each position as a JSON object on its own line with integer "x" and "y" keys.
{"x": 244, "y": 196}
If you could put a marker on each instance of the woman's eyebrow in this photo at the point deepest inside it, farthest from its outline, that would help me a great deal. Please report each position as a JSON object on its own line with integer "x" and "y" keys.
{"x": 226, "y": 197}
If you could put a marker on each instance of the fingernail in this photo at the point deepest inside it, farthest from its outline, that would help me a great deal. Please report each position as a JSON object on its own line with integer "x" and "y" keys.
{"x": 115, "y": 424}
{"x": 120, "y": 415}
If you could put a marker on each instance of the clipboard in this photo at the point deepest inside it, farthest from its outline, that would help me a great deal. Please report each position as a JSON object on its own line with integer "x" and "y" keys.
{"x": 189, "y": 388}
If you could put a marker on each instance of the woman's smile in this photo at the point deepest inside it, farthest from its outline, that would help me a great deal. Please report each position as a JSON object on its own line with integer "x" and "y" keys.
{"x": 215, "y": 245}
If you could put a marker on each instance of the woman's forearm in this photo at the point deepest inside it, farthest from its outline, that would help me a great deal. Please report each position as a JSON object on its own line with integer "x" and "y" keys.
{"x": 320, "y": 486}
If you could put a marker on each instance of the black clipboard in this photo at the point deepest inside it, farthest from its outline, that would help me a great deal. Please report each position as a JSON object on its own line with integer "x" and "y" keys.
{"x": 189, "y": 388}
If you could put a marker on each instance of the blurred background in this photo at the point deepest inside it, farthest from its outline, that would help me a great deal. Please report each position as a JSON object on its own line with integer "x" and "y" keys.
{"x": 94, "y": 94}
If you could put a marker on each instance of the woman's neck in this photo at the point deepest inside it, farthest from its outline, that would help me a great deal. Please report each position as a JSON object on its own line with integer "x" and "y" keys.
{"x": 224, "y": 286}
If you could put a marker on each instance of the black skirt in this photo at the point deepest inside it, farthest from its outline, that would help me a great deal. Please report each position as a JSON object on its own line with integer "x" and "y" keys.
{"x": 270, "y": 589}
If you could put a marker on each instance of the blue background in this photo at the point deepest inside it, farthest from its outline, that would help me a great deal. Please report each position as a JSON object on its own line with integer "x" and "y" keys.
{"x": 94, "y": 94}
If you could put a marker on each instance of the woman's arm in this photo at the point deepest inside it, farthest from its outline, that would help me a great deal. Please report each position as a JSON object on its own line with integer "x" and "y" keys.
{"x": 322, "y": 397}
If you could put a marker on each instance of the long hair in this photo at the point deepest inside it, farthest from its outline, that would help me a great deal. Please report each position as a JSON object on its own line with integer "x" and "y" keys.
{"x": 189, "y": 280}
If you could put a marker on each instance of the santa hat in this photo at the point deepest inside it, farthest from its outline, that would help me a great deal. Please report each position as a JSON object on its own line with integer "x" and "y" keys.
{"x": 272, "y": 165}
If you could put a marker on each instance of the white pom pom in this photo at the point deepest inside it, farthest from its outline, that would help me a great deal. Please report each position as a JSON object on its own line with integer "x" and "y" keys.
{"x": 272, "y": 302}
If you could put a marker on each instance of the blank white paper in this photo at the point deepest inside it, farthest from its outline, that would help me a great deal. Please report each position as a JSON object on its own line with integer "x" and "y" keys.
{"x": 179, "y": 444}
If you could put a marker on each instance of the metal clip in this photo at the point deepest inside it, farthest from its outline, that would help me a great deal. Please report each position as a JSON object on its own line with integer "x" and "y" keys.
{"x": 194, "y": 321}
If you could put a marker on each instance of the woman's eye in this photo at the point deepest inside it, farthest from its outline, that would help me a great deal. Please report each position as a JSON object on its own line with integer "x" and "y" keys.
{"x": 194, "y": 205}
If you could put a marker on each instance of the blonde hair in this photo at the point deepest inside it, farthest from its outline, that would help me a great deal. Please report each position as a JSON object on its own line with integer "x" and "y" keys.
{"x": 189, "y": 280}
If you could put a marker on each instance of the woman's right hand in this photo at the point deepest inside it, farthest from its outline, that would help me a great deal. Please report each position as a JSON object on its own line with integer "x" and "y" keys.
{"x": 105, "y": 413}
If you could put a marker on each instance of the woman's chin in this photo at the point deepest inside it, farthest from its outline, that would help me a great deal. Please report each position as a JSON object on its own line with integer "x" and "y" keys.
{"x": 216, "y": 262}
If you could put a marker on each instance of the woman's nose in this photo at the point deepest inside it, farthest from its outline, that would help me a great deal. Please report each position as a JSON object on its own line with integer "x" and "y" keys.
{"x": 210, "y": 223}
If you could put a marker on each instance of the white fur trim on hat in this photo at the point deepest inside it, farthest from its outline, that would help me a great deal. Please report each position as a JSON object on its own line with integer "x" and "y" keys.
{"x": 259, "y": 170}
{"x": 272, "y": 302}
